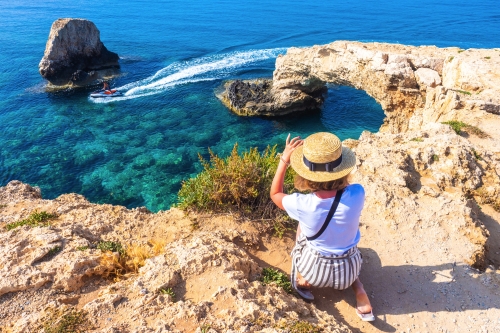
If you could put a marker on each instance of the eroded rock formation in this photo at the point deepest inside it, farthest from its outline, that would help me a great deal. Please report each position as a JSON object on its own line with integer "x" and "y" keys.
{"x": 414, "y": 85}
{"x": 74, "y": 54}
{"x": 256, "y": 98}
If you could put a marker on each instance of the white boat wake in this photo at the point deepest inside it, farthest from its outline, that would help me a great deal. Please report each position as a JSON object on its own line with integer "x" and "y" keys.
{"x": 196, "y": 70}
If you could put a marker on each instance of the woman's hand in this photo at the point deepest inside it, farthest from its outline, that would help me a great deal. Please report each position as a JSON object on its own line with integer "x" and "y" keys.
{"x": 290, "y": 147}
{"x": 276, "y": 192}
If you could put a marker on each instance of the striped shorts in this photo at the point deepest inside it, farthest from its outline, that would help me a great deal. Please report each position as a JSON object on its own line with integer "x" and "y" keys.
{"x": 337, "y": 271}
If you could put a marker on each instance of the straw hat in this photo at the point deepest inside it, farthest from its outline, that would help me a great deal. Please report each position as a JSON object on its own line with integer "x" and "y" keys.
{"x": 322, "y": 158}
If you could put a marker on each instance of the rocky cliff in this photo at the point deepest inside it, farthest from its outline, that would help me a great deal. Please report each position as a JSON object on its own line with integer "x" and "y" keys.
{"x": 414, "y": 85}
{"x": 75, "y": 55}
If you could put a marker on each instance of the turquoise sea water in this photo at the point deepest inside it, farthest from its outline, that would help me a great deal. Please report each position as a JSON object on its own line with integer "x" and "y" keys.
{"x": 136, "y": 151}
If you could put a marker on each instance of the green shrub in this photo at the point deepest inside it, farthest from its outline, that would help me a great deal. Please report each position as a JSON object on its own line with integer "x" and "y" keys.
{"x": 459, "y": 126}
{"x": 53, "y": 251}
{"x": 237, "y": 183}
{"x": 417, "y": 139}
{"x": 487, "y": 57}
{"x": 455, "y": 125}
{"x": 300, "y": 326}
{"x": 271, "y": 275}
{"x": 36, "y": 219}
{"x": 111, "y": 246}
{"x": 72, "y": 321}
{"x": 82, "y": 248}
{"x": 435, "y": 157}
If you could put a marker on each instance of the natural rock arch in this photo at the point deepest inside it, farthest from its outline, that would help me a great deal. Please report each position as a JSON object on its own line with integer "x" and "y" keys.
{"x": 414, "y": 85}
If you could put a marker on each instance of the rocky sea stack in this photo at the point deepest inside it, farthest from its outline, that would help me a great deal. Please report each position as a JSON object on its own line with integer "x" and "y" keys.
{"x": 74, "y": 54}
{"x": 257, "y": 98}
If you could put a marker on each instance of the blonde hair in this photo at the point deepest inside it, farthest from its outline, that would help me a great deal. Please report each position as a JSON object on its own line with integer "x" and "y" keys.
{"x": 303, "y": 184}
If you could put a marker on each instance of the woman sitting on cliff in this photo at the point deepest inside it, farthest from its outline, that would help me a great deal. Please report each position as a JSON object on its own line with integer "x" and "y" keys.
{"x": 325, "y": 253}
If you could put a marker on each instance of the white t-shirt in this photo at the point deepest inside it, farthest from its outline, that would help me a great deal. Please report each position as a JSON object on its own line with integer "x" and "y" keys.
{"x": 342, "y": 232}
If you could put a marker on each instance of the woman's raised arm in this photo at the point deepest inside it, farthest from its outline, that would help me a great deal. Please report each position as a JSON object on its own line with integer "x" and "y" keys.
{"x": 276, "y": 192}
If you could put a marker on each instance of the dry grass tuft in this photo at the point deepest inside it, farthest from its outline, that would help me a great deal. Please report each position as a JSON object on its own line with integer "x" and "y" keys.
{"x": 129, "y": 259}
{"x": 157, "y": 245}
{"x": 136, "y": 255}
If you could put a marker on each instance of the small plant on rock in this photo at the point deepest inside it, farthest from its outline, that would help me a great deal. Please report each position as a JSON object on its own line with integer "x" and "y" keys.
{"x": 465, "y": 92}
{"x": 435, "y": 158}
{"x": 168, "y": 291}
{"x": 205, "y": 328}
{"x": 299, "y": 326}
{"x": 36, "y": 219}
{"x": 271, "y": 275}
{"x": 71, "y": 321}
{"x": 53, "y": 251}
{"x": 111, "y": 246}
{"x": 459, "y": 126}
{"x": 417, "y": 139}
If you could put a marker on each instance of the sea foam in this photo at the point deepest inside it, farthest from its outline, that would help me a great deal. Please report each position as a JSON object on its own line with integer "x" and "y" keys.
{"x": 206, "y": 68}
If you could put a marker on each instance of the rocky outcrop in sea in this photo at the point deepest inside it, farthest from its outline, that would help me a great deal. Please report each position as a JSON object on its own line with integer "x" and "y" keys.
{"x": 75, "y": 56}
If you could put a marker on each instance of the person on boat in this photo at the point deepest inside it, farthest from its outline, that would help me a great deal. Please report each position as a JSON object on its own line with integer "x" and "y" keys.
{"x": 325, "y": 252}
{"x": 105, "y": 86}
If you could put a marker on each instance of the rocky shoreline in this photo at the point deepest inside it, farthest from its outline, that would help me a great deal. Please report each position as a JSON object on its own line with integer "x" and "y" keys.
{"x": 430, "y": 226}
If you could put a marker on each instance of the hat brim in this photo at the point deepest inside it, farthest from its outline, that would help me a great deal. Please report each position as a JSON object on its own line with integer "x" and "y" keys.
{"x": 347, "y": 165}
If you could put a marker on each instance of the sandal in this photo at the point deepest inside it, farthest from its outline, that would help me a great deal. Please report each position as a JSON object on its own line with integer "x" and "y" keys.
{"x": 305, "y": 293}
{"x": 365, "y": 316}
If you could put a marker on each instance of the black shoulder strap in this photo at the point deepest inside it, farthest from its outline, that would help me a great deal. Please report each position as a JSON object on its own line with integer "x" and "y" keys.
{"x": 329, "y": 216}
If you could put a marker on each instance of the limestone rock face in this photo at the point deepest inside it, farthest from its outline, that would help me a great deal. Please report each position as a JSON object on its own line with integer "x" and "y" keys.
{"x": 75, "y": 55}
{"x": 417, "y": 184}
{"x": 427, "y": 77}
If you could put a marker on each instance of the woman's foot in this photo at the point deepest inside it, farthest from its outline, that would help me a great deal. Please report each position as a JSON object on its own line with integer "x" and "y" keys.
{"x": 303, "y": 288}
{"x": 302, "y": 283}
{"x": 363, "y": 305}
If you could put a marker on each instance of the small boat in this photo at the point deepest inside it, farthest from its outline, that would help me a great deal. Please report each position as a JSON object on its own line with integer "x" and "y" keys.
{"x": 105, "y": 93}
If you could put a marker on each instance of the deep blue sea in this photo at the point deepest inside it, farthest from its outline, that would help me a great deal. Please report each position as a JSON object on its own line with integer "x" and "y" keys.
{"x": 136, "y": 151}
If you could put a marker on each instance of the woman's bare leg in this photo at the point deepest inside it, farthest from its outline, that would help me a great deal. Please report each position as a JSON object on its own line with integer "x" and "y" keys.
{"x": 362, "y": 301}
